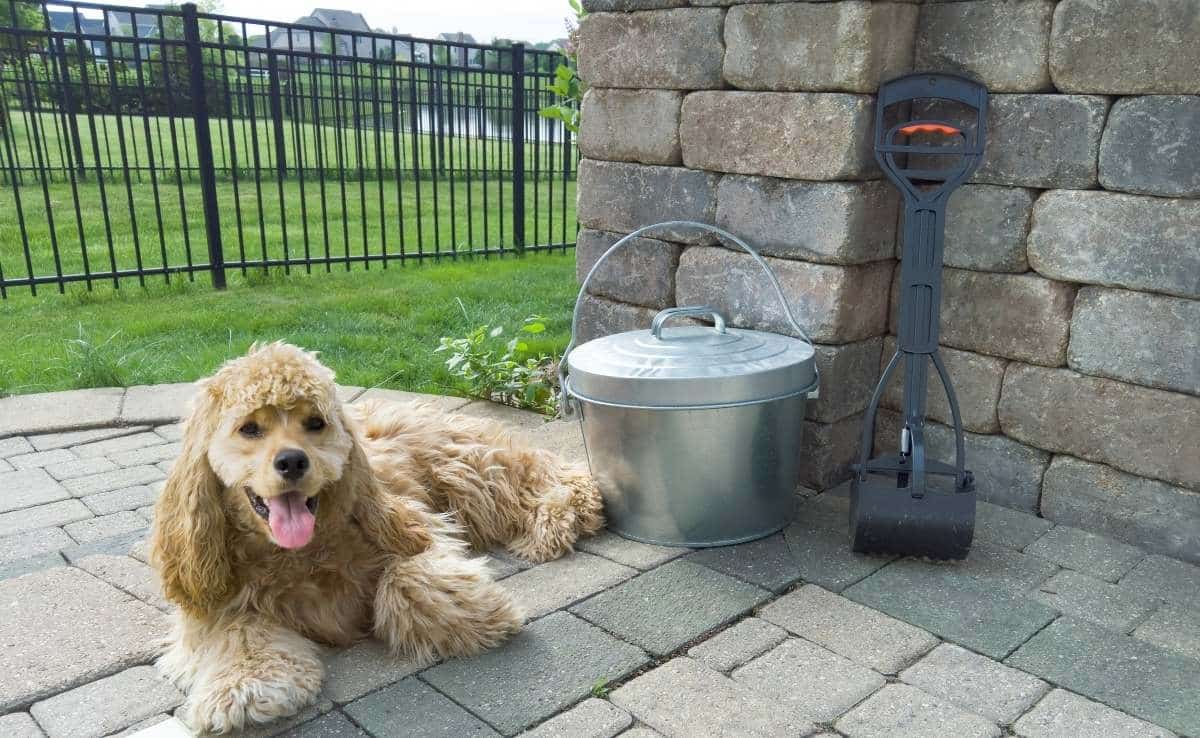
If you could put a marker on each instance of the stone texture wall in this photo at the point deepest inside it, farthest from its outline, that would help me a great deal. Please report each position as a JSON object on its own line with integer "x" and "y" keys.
{"x": 1071, "y": 303}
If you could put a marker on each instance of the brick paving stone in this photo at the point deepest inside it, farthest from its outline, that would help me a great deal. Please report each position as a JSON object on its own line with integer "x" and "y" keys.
{"x": 592, "y": 718}
{"x": 666, "y": 607}
{"x": 28, "y": 487}
{"x": 172, "y": 432}
{"x": 119, "y": 444}
{"x": 1063, "y": 714}
{"x": 1004, "y": 568}
{"x": 127, "y": 574}
{"x": 642, "y": 731}
{"x": 79, "y": 468}
{"x": 629, "y": 552}
{"x": 819, "y": 544}
{"x": 1093, "y": 599}
{"x": 120, "y": 500}
{"x": 1086, "y": 552}
{"x": 108, "y": 481}
{"x": 412, "y": 710}
{"x": 148, "y": 723}
{"x": 5, "y": 466}
{"x": 140, "y": 550}
{"x": 19, "y": 725}
{"x": 333, "y": 725}
{"x": 107, "y": 705}
{"x": 147, "y": 513}
{"x": 148, "y": 455}
{"x": 165, "y": 466}
{"x": 503, "y": 564}
{"x": 975, "y": 683}
{"x": 21, "y": 567}
{"x": 1134, "y": 676}
{"x": 551, "y": 664}
{"x": 57, "y": 411}
{"x": 1007, "y": 527}
{"x": 556, "y": 584}
{"x": 903, "y": 710}
{"x": 766, "y": 562}
{"x": 62, "y": 627}
{"x": 38, "y": 459}
{"x": 683, "y": 698}
{"x": 118, "y": 545}
{"x": 968, "y": 611}
{"x": 156, "y": 403}
{"x": 47, "y": 441}
{"x": 812, "y": 680}
{"x": 33, "y": 542}
{"x": 364, "y": 667}
{"x": 13, "y": 446}
{"x": 847, "y": 628}
{"x": 1174, "y": 628}
{"x": 42, "y": 516}
{"x": 736, "y": 645}
{"x": 107, "y": 526}
{"x": 1159, "y": 576}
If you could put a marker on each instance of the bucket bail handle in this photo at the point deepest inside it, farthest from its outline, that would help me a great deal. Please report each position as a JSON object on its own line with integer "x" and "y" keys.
{"x": 660, "y": 320}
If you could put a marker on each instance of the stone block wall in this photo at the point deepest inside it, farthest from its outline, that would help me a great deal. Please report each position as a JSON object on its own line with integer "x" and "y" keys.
{"x": 1071, "y": 294}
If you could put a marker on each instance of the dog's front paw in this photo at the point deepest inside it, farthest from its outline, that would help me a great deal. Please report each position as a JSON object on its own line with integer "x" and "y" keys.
{"x": 227, "y": 706}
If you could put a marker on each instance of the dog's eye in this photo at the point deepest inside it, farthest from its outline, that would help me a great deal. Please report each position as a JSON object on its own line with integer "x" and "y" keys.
{"x": 250, "y": 430}
{"x": 314, "y": 424}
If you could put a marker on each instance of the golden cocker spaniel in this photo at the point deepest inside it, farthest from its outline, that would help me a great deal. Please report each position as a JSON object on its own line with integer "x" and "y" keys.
{"x": 291, "y": 520}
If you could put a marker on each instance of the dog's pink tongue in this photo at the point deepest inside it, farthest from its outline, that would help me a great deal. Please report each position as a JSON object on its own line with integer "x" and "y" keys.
{"x": 291, "y": 521}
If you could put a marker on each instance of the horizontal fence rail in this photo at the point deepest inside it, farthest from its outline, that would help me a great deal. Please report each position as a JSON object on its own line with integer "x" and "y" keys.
{"x": 139, "y": 142}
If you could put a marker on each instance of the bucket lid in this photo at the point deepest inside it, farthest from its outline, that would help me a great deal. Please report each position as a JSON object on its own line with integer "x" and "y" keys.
{"x": 690, "y": 366}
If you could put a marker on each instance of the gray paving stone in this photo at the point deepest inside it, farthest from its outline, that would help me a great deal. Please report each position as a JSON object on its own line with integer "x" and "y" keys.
{"x": 5, "y": 466}
{"x": 47, "y": 441}
{"x": 107, "y": 705}
{"x": 766, "y": 562}
{"x": 140, "y": 550}
{"x": 411, "y": 708}
{"x": 28, "y": 487}
{"x": 38, "y": 459}
{"x": 333, "y": 725}
{"x": 147, "y": 513}
{"x": 859, "y": 633}
{"x": 1007, "y": 527}
{"x": 819, "y": 544}
{"x": 117, "y": 445}
{"x": 553, "y": 663}
{"x": 975, "y": 683}
{"x": 812, "y": 680}
{"x": 1087, "y": 552}
{"x": 1159, "y": 576}
{"x": 1007, "y": 570}
{"x": 736, "y": 645}
{"x": 13, "y": 446}
{"x": 147, "y": 455}
{"x": 156, "y": 403}
{"x": 503, "y": 564}
{"x": 364, "y": 667}
{"x": 79, "y": 468}
{"x": 107, "y": 526}
{"x": 19, "y": 725}
{"x": 148, "y": 724}
{"x": 172, "y": 432}
{"x": 127, "y": 574}
{"x": 1064, "y": 714}
{"x": 959, "y": 608}
{"x": 109, "y": 481}
{"x": 21, "y": 567}
{"x": 903, "y": 710}
{"x": 118, "y": 545}
{"x": 1092, "y": 599}
{"x": 120, "y": 500}
{"x": 32, "y": 543}
{"x": 628, "y": 552}
{"x": 666, "y": 607}
{"x": 592, "y": 718}
{"x": 42, "y": 516}
{"x": 556, "y": 584}
{"x": 1118, "y": 670}
{"x": 58, "y": 411}
{"x": 642, "y": 732}
{"x": 62, "y": 627}
{"x": 1174, "y": 628}
{"x": 683, "y": 698}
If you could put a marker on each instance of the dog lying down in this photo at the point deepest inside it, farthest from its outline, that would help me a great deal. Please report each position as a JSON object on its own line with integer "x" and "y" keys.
{"x": 291, "y": 520}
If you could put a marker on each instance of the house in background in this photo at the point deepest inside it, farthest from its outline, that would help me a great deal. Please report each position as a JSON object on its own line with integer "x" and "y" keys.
{"x": 68, "y": 21}
{"x": 344, "y": 44}
{"x": 458, "y": 55}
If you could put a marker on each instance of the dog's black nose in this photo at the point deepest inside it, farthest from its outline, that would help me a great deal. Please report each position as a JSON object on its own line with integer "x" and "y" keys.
{"x": 291, "y": 463}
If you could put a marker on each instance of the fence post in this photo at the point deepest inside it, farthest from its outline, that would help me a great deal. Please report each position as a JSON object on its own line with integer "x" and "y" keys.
{"x": 71, "y": 107}
{"x": 204, "y": 150}
{"x": 276, "y": 114}
{"x": 518, "y": 143}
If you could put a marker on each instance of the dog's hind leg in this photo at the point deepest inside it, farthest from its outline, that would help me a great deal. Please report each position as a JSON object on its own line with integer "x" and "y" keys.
{"x": 240, "y": 670}
{"x": 570, "y": 508}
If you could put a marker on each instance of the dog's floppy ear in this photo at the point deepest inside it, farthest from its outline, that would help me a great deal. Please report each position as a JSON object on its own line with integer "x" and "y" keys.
{"x": 188, "y": 544}
{"x": 389, "y": 521}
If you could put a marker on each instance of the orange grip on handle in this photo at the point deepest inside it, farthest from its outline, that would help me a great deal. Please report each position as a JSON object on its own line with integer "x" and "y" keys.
{"x": 929, "y": 128}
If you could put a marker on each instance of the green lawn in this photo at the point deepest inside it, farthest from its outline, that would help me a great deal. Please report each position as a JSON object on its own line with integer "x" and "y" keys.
{"x": 369, "y": 326}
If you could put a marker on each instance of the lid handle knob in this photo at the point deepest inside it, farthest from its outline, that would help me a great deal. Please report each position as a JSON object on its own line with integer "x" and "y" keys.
{"x": 660, "y": 320}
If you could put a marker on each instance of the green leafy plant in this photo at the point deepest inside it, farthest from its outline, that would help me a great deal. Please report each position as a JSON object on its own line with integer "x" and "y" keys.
{"x": 510, "y": 376}
{"x": 567, "y": 84}
{"x": 600, "y": 688}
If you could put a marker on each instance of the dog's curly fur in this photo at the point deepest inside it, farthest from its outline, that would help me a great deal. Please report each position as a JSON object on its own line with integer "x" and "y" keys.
{"x": 401, "y": 491}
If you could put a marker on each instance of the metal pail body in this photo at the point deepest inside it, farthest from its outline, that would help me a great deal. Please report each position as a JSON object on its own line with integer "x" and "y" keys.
{"x": 696, "y": 477}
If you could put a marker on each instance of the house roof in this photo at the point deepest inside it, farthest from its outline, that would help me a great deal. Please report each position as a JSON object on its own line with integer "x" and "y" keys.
{"x": 458, "y": 37}
{"x": 345, "y": 20}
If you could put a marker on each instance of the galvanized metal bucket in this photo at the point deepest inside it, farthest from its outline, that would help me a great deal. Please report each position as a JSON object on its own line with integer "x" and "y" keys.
{"x": 692, "y": 432}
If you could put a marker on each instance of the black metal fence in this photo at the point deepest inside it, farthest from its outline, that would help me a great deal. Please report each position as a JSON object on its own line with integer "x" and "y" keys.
{"x": 138, "y": 142}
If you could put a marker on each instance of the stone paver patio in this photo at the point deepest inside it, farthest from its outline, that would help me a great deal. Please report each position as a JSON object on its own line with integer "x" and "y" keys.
{"x": 1044, "y": 631}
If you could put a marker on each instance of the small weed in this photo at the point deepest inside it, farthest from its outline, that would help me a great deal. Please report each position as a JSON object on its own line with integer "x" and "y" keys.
{"x": 600, "y": 688}
{"x": 103, "y": 364}
{"x": 513, "y": 377}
